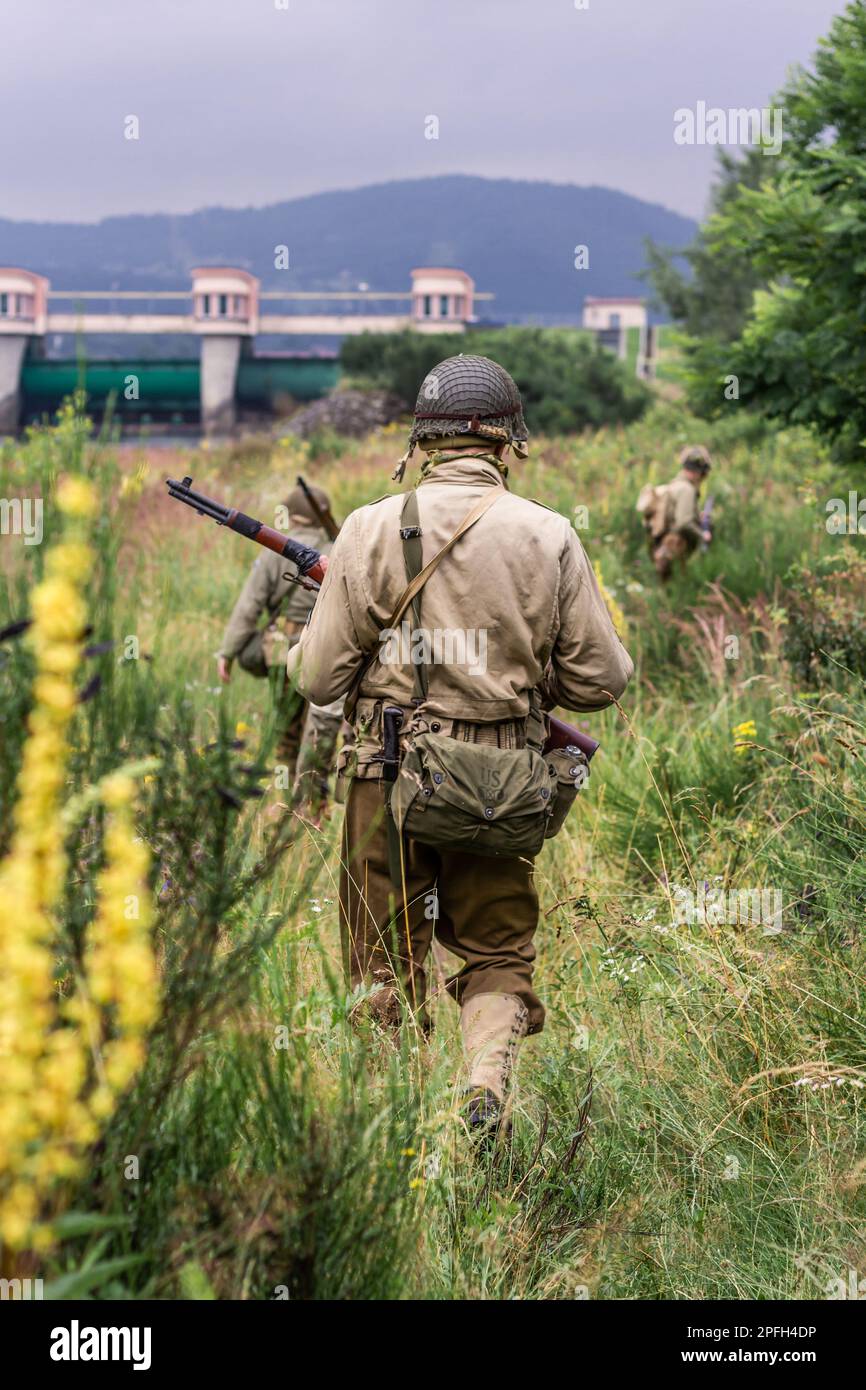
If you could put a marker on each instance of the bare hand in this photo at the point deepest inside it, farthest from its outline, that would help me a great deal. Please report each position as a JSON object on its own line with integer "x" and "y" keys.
{"x": 224, "y": 669}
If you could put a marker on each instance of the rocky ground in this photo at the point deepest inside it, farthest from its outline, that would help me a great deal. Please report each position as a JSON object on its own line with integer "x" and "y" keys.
{"x": 352, "y": 413}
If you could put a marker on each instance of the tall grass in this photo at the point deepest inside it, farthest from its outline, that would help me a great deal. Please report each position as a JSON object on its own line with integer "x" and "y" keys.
{"x": 689, "y": 1125}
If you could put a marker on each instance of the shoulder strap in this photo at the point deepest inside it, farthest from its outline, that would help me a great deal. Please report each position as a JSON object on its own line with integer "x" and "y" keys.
{"x": 413, "y": 559}
{"x": 418, "y": 576}
{"x": 410, "y": 534}
{"x": 419, "y": 579}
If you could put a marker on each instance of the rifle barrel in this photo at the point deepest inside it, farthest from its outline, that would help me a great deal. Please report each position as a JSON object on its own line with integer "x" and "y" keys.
{"x": 311, "y": 565}
{"x": 182, "y": 492}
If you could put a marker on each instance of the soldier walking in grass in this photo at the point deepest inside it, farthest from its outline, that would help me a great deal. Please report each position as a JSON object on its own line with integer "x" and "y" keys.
{"x": 671, "y": 513}
{"x": 453, "y": 616}
{"x": 306, "y": 733}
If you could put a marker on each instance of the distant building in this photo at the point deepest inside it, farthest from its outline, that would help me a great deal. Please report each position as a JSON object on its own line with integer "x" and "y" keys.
{"x": 602, "y": 315}
{"x": 443, "y": 299}
{"x": 611, "y": 320}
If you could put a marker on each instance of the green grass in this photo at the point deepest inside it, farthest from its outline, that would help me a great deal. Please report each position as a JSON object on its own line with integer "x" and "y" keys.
{"x": 691, "y": 1122}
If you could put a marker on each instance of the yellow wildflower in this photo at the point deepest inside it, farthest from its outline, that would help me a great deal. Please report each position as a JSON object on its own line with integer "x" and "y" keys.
{"x": 746, "y": 730}
{"x": 58, "y": 611}
{"x": 51, "y": 1038}
{"x": 72, "y": 560}
{"x": 617, "y": 616}
{"x": 77, "y": 497}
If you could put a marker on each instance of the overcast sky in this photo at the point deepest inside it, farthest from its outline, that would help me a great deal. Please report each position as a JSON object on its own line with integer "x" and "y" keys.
{"x": 245, "y": 102}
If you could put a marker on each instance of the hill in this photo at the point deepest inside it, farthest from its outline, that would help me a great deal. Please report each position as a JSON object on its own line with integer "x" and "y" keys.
{"x": 516, "y": 238}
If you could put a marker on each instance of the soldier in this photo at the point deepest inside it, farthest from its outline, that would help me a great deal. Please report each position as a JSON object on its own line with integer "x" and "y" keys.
{"x": 671, "y": 513}
{"x": 306, "y": 734}
{"x": 519, "y": 577}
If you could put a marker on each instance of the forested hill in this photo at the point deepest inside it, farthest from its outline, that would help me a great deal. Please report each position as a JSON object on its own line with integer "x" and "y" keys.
{"x": 515, "y": 237}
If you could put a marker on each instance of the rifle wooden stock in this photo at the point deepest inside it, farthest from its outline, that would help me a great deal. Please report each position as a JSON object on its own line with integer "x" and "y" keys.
{"x": 311, "y": 564}
{"x": 276, "y": 541}
{"x": 562, "y": 735}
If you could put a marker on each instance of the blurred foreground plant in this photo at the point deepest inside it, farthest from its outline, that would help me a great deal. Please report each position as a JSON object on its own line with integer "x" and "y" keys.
{"x": 64, "y": 1057}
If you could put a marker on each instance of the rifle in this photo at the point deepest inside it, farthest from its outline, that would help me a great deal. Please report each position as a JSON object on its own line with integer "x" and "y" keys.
{"x": 322, "y": 514}
{"x": 707, "y": 520}
{"x": 311, "y": 565}
{"x": 562, "y": 735}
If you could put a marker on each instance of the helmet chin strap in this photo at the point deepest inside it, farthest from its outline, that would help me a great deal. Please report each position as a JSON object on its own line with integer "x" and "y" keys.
{"x": 431, "y": 446}
{"x": 397, "y": 475}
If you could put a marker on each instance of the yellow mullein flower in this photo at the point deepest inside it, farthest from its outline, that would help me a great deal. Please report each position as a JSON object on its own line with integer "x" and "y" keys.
{"x": 121, "y": 968}
{"x": 72, "y": 561}
{"x": 746, "y": 730}
{"x": 617, "y": 616}
{"x": 50, "y": 1101}
{"x": 77, "y": 497}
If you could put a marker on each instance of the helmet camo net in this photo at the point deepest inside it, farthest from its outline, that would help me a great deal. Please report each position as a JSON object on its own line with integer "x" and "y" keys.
{"x": 468, "y": 395}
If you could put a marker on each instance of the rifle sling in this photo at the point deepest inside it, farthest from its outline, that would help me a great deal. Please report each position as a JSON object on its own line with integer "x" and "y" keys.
{"x": 417, "y": 577}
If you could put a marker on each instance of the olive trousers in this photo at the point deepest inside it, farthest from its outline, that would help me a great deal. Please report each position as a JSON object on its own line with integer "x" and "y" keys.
{"x": 485, "y": 911}
{"x": 306, "y": 746}
{"x": 666, "y": 552}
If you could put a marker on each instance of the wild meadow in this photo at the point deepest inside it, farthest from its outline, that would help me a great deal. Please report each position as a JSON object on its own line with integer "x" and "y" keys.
{"x": 692, "y": 1122}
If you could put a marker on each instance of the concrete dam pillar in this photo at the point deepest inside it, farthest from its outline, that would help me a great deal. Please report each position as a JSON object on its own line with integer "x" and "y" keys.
{"x": 12, "y": 350}
{"x": 219, "y": 375}
{"x": 225, "y": 313}
{"x": 23, "y": 315}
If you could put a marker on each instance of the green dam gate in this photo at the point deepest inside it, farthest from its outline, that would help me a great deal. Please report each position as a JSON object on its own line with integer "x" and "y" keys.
{"x": 143, "y": 389}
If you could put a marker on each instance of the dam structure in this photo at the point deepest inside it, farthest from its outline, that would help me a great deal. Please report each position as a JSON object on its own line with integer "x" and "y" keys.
{"x": 226, "y": 309}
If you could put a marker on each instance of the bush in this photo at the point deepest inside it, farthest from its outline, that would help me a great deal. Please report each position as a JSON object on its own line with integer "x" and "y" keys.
{"x": 567, "y": 382}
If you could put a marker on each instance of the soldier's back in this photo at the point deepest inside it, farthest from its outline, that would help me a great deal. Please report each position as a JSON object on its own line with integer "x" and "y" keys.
{"x": 496, "y": 590}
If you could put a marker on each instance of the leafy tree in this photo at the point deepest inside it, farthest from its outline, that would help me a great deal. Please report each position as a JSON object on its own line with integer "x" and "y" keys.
{"x": 713, "y": 299}
{"x": 801, "y": 355}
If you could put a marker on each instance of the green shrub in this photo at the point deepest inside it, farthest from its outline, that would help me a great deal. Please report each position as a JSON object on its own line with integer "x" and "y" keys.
{"x": 566, "y": 381}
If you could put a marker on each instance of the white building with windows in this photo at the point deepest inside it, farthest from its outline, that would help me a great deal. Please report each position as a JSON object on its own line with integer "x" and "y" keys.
{"x": 611, "y": 319}
{"x": 23, "y": 316}
{"x": 443, "y": 300}
{"x": 605, "y": 314}
{"x": 222, "y": 295}
{"x": 23, "y": 302}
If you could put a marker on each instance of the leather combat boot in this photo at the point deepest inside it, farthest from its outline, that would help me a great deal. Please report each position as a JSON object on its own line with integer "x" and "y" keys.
{"x": 492, "y": 1027}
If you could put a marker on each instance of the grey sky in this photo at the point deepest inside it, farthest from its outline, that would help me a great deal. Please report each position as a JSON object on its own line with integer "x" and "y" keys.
{"x": 243, "y": 103}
